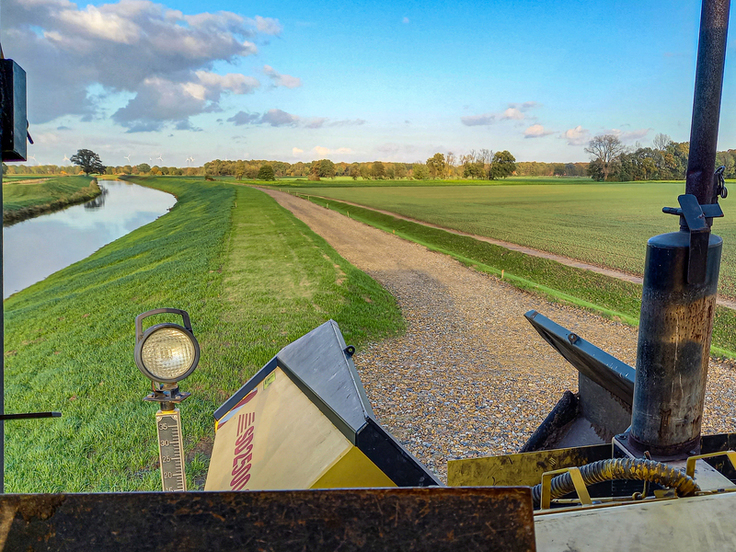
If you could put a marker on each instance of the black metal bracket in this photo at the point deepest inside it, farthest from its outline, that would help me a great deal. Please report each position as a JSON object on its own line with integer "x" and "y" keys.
{"x": 29, "y": 416}
{"x": 696, "y": 217}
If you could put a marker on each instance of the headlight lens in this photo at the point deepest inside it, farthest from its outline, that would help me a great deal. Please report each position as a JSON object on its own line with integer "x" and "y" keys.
{"x": 168, "y": 353}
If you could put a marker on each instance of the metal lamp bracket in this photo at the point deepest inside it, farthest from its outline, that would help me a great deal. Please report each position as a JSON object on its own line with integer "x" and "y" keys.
{"x": 696, "y": 218}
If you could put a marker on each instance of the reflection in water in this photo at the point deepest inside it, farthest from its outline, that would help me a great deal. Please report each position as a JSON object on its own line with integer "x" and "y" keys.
{"x": 36, "y": 248}
{"x": 99, "y": 201}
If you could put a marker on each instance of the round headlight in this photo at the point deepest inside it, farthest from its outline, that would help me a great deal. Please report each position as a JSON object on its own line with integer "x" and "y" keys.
{"x": 167, "y": 353}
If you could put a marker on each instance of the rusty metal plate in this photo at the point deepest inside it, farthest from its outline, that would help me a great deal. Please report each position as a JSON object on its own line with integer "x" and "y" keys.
{"x": 436, "y": 519}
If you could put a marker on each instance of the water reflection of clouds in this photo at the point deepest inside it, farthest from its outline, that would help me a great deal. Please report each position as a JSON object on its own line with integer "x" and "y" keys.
{"x": 36, "y": 248}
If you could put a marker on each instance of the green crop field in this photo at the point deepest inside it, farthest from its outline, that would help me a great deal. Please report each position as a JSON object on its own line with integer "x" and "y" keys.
{"x": 557, "y": 282}
{"x": 604, "y": 224}
{"x": 25, "y": 197}
{"x": 252, "y": 277}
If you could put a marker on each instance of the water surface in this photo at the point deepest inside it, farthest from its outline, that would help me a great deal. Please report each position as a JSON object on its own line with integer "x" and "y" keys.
{"x": 38, "y": 247}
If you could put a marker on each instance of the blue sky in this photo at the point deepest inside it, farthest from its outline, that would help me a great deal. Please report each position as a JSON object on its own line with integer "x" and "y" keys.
{"x": 361, "y": 81}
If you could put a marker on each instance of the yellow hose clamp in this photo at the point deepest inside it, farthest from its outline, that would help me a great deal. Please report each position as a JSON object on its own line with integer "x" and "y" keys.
{"x": 690, "y": 467}
{"x": 577, "y": 480}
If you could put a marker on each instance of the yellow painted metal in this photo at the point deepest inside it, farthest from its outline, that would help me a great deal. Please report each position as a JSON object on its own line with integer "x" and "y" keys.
{"x": 277, "y": 438}
{"x": 519, "y": 469}
{"x": 580, "y": 487}
{"x": 354, "y": 469}
{"x": 691, "y": 461}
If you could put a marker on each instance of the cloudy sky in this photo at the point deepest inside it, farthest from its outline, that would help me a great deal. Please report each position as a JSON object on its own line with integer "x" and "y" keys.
{"x": 355, "y": 81}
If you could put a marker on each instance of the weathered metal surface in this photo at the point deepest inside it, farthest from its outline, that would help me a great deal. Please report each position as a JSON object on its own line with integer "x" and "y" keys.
{"x": 551, "y": 429}
{"x": 520, "y": 469}
{"x": 604, "y": 369}
{"x": 436, "y": 519}
{"x": 690, "y": 524}
{"x": 607, "y": 414}
{"x": 675, "y": 330}
{"x": 707, "y": 100}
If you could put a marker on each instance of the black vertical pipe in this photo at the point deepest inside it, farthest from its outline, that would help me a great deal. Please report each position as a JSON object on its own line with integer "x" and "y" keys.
{"x": 677, "y": 312}
{"x": 707, "y": 102}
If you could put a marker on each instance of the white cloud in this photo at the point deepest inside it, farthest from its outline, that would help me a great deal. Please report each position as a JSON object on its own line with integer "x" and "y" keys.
{"x": 630, "y": 136}
{"x": 296, "y": 152}
{"x": 287, "y": 81}
{"x": 536, "y": 131}
{"x": 128, "y": 47}
{"x": 278, "y": 117}
{"x": 514, "y": 112}
{"x": 322, "y": 151}
{"x": 478, "y": 120}
{"x": 159, "y": 100}
{"x": 577, "y": 136}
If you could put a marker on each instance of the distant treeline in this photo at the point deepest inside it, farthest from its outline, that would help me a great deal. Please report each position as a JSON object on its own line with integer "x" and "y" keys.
{"x": 666, "y": 161}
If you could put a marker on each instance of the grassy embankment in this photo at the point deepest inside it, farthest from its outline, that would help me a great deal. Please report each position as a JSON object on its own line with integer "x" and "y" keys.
{"x": 253, "y": 279}
{"x": 24, "y": 198}
{"x": 604, "y": 224}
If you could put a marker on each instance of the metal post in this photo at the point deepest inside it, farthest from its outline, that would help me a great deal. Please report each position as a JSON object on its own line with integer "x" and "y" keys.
{"x": 681, "y": 279}
{"x": 707, "y": 101}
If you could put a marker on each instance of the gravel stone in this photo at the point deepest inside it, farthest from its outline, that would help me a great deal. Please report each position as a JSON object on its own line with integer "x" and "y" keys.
{"x": 471, "y": 377}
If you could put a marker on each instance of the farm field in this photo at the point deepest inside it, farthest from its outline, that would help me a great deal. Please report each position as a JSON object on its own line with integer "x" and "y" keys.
{"x": 604, "y": 224}
{"x": 252, "y": 277}
{"x": 25, "y": 197}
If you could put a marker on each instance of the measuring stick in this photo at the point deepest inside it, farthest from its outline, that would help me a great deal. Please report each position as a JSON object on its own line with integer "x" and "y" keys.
{"x": 171, "y": 450}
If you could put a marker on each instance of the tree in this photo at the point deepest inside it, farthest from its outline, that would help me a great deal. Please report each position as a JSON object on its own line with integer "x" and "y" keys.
{"x": 503, "y": 165}
{"x": 436, "y": 165}
{"x": 378, "y": 170}
{"x": 266, "y": 173}
{"x": 420, "y": 171}
{"x": 327, "y": 169}
{"x": 605, "y": 148}
{"x": 661, "y": 142}
{"x": 88, "y": 161}
{"x": 354, "y": 171}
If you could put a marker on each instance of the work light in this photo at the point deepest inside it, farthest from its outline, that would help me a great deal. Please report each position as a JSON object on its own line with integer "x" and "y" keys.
{"x": 166, "y": 353}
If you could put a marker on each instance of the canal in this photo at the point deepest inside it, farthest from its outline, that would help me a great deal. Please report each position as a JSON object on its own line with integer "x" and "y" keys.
{"x": 38, "y": 247}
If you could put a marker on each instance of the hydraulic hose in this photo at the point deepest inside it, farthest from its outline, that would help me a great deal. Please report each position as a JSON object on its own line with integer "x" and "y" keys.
{"x": 622, "y": 468}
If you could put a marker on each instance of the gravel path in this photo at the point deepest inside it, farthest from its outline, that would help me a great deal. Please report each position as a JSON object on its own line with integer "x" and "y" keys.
{"x": 470, "y": 377}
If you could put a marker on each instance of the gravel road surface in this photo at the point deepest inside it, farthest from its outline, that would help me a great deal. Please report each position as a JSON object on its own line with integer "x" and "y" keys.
{"x": 470, "y": 377}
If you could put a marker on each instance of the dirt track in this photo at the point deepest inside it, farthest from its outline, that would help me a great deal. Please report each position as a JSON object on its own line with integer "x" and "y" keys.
{"x": 470, "y": 377}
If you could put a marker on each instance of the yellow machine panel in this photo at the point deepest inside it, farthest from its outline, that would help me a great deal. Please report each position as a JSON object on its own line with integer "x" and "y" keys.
{"x": 276, "y": 438}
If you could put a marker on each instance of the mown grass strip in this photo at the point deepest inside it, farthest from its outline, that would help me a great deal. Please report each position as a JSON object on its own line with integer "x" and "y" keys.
{"x": 27, "y": 198}
{"x": 252, "y": 278}
{"x": 611, "y": 297}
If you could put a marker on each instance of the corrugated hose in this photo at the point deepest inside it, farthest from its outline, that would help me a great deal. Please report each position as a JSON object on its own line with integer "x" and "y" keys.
{"x": 621, "y": 468}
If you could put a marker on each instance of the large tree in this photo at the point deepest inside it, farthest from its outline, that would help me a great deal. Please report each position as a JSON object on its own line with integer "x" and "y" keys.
{"x": 437, "y": 165}
{"x": 88, "y": 161}
{"x": 503, "y": 165}
{"x": 605, "y": 149}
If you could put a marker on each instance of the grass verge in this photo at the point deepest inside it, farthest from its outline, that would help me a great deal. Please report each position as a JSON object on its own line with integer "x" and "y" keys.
{"x": 252, "y": 277}
{"x": 28, "y": 198}
{"x": 613, "y": 298}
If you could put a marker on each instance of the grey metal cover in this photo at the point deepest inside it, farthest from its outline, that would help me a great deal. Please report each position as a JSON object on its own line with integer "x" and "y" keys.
{"x": 320, "y": 364}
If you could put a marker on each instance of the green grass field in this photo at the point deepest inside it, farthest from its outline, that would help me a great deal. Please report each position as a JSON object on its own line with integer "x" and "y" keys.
{"x": 609, "y": 296}
{"x": 604, "y": 224}
{"x": 252, "y": 277}
{"x": 26, "y": 197}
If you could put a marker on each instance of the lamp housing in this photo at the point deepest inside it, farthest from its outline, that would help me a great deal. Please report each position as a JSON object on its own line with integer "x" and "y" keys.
{"x": 166, "y": 352}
